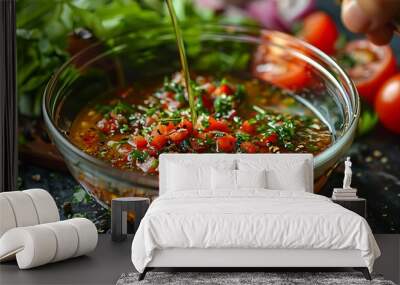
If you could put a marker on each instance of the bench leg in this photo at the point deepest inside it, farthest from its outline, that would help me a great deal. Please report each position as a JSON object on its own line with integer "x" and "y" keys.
{"x": 364, "y": 271}
{"x": 143, "y": 274}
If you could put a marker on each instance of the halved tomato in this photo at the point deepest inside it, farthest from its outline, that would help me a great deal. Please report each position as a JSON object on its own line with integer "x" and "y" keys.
{"x": 372, "y": 66}
{"x": 320, "y": 30}
{"x": 280, "y": 69}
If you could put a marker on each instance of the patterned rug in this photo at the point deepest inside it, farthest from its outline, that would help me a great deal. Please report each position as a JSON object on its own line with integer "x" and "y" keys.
{"x": 243, "y": 278}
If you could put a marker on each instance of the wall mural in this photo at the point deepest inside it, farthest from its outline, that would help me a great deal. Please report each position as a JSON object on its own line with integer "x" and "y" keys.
{"x": 118, "y": 132}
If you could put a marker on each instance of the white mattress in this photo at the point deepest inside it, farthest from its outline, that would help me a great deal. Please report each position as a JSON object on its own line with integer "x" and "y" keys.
{"x": 257, "y": 219}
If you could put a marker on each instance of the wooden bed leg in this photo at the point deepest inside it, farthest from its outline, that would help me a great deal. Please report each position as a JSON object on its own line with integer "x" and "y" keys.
{"x": 143, "y": 274}
{"x": 364, "y": 271}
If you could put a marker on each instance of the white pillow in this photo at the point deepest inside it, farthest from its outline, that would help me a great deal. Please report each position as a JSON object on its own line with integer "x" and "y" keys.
{"x": 183, "y": 177}
{"x": 223, "y": 179}
{"x": 294, "y": 179}
{"x": 251, "y": 178}
{"x": 186, "y": 176}
{"x": 281, "y": 174}
{"x": 226, "y": 179}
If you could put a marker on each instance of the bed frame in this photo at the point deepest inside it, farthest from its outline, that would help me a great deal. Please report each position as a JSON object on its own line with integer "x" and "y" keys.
{"x": 242, "y": 259}
{"x": 246, "y": 258}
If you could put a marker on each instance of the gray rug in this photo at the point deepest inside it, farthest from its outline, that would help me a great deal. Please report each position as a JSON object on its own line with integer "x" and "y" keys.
{"x": 243, "y": 278}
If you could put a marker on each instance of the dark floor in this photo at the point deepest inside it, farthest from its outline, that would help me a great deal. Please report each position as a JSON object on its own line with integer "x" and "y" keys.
{"x": 110, "y": 260}
{"x": 103, "y": 266}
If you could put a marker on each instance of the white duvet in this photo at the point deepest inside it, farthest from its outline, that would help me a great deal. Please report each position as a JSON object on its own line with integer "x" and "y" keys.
{"x": 250, "y": 219}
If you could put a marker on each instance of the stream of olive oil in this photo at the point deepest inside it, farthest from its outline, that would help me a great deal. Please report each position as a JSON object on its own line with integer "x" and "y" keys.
{"x": 183, "y": 59}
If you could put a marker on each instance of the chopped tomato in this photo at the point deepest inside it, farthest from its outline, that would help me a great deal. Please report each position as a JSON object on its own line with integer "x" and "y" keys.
{"x": 271, "y": 139}
{"x": 125, "y": 149}
{"x": 248, "y": 128}
{"x": 179, "y": 135}
{"x": 223, "y": 89}
{"x": 248, "y": 147}
{"x": 150, "y": 121}
{"x": 90, "y": 138}
{"x": 207, "y": 101}
{"x": 210, "y": 88}
{"x": 283, "y": 71}
{"x": 217, "y": 125}
{"x": 226, "y": 143}
{"x": 159, "y": 141}
{"x": 163, "y": 129}
{"x": 320, "y": 30}
{"x": 185, "y": 124}
{"x": 139, "y": 142}
{"x": 387, "y": 104}
{"x": 107, "y": 126}
{"x": 197, "y": 145}
{"x": 373, "y": 65}
{"x": 152, "y": 151}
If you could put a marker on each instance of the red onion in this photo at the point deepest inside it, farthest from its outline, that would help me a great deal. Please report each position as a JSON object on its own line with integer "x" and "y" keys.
{"x": 279, "y": 14}
{"x": 291, "y": 11}
{"x": 214, "y": 5}
{"x": 266, "y": 12}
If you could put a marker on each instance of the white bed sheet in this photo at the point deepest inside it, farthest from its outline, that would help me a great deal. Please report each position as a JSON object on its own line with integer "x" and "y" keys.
{"x": 253, "y": 218}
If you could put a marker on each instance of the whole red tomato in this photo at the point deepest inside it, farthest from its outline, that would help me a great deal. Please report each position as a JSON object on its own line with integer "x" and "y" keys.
{"x": 320, "y": 30}
{"x": 387, "y": 104}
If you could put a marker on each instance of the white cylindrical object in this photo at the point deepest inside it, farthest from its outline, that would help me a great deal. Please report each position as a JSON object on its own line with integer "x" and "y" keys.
{"x": 67, "y": 239}
{"x": 33, "y": 246}
{"x": 87, "y": 235}
{"x": 7, "y": 218}
{"x": 23, "y": 208}
{"x": 45, "y": 205}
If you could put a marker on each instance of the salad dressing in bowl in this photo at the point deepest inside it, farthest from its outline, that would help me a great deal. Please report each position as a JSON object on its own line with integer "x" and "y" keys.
{"x": 218, "y": 55}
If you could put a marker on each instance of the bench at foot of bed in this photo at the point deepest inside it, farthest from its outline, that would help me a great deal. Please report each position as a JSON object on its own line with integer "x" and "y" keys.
{"x": 364, "y": 271}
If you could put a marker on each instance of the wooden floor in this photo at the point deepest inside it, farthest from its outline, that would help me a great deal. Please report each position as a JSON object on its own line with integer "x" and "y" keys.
{"x": 110, "y": 260}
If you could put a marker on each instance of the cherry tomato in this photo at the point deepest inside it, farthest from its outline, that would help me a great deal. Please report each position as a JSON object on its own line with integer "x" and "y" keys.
{"x": 159, "y": 141}
{"x": 248, "y": 128}
{"x": 248, "y": 147}
{"x": 387, "y": 104}
{"x": 217, "y": 125}
{"x": 179, "y": 135}
{"x": 320, "y": 30}
{"x": 139, "y": 142}
{"x": 280, "y": 69}
{"x": 373, "y": 66}
{"x": 226, "y": 143}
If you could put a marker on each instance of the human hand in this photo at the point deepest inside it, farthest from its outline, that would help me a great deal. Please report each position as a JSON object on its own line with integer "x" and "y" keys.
{"x": 371, "y": 17}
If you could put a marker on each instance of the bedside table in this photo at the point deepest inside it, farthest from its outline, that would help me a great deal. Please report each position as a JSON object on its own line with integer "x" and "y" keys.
{"x": 357, "y": 205}
{"x": 119, "y": 214}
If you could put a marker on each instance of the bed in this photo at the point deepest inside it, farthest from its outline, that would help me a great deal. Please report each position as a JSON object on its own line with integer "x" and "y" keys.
{"x": 246, "y": 211}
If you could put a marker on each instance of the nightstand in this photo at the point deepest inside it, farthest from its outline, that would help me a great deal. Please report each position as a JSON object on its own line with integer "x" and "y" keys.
{"x": 357, "y": 205}
{"x": 119, "y": 214}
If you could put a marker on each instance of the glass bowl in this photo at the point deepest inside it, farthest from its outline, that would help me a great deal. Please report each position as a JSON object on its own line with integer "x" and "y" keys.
{"x": 143, "y": 56}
